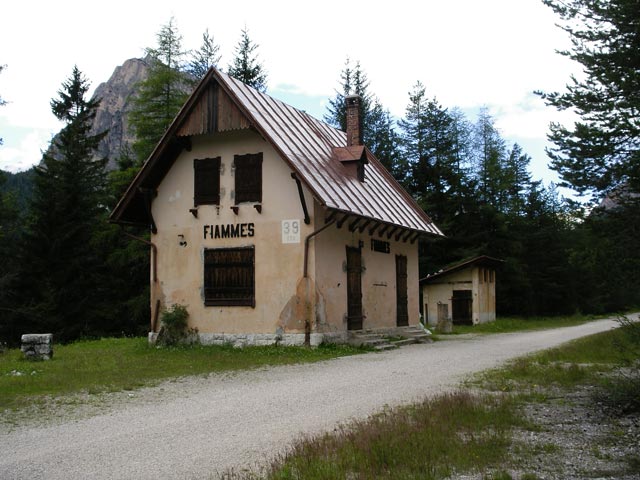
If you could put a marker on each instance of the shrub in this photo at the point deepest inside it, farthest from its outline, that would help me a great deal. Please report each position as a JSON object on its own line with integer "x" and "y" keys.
{"x": 622, "y": 392}
{"x": 174, "y": 327}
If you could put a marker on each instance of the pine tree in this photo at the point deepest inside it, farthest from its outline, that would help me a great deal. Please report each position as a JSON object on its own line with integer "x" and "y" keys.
{"x": 601, "y": 152}
{"x": 384, "y": 143}
{"x": 517, "y": 178}
{"x": 245, "y": 65}
{"x": 8, "y": 266}
{"x": 378, "y": 128}
{"x": 162, "y": 94}
{"x": 60, "y": 264}
{"x": 207, "y": 56}
{"x": 430, "y": 144}
{"x": 353, "y": 81}
{"x": 490, "y": 153}
{"x": 2, "y": 101}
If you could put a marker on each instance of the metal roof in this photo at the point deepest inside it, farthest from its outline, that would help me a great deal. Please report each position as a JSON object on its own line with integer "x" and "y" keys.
{"x": 309, "y": 147}
{"x": 481, "y": 261}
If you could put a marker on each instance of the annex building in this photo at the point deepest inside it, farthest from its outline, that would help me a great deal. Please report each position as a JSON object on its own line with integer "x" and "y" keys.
{"x": 464, "y": 293}
{"x": 269, "y": 225}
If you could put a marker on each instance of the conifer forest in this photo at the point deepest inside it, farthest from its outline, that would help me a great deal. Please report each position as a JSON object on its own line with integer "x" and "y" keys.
{"x": 65, "y": 269}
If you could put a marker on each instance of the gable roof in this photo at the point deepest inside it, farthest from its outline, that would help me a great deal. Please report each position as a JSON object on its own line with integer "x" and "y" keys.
{"x": 481, "y": 261}
{"x": 314, "y": 150}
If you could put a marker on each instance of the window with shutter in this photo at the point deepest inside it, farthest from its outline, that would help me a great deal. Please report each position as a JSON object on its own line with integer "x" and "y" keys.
{"x": 206, "y": 181}
{"x": 229, "y": 277}
{"x": 248, "y": 177}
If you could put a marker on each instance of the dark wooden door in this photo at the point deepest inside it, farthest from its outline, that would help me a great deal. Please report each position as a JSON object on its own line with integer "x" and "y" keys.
{"x": 461, "y": 307}
{"x": 354, "y": 289}
{"x": 402, "y": 309}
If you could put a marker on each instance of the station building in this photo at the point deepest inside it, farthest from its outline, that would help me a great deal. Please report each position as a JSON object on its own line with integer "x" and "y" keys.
{"x": 271, "y": 226}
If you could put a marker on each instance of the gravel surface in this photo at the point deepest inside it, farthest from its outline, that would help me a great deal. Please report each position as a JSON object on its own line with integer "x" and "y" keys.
{"x": 198, "y": 427}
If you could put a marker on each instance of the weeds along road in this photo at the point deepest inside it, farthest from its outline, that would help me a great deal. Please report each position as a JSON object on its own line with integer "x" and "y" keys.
{"x": 197, "y": 427}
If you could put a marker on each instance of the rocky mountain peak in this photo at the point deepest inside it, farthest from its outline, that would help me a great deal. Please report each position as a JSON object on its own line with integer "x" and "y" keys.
{"x": 116, "y": 96}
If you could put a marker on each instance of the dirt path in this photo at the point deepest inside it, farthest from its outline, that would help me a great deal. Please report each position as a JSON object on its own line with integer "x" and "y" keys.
{"x": 198, "y": 427}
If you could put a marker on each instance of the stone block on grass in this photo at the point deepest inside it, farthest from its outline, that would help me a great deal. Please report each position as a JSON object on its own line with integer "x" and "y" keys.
{"x": 37, "y": 346}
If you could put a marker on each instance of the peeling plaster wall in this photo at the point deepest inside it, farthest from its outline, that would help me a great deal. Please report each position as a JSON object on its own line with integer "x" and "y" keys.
{"x": 378, "y": 278}
{"x": 278, "y": 266}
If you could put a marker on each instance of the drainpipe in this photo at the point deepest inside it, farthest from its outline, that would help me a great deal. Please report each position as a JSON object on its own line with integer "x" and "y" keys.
{"x": 307, "y": 320}
{"x": 154, "y": 250}
{"x": 303, "y": 202}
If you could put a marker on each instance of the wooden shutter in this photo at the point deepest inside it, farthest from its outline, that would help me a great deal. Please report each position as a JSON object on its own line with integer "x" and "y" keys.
{"x": 248, "y": 177}
{"x": 206, "y": 181}
{"x": 229, "y": 276}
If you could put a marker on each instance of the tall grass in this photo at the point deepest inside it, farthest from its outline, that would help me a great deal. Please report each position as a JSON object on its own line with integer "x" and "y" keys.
{"x": 453, "y": 433}
{"x": 433, "y": 439}
{"x": 127, "y": 363}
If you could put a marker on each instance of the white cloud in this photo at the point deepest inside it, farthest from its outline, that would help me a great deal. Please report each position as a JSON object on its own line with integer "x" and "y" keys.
{"x": 467, "y": 53}
{"x": 26, "y": 152}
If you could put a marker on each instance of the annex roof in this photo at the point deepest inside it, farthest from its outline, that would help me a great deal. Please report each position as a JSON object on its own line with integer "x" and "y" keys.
{"x": 480, "y": 261}
{"x": 314, "y": 150}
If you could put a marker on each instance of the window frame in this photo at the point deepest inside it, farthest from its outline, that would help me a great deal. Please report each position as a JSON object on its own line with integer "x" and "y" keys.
{"x": 246, "y": 267}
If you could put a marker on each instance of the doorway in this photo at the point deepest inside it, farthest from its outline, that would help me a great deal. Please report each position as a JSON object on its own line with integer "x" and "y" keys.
{"x": 354, "y": 288}
{"x": 461, "y": 307}
{"x": 402, "y": 309}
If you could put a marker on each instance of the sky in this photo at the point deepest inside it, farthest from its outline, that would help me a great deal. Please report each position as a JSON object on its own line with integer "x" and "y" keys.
{"x": 467, "y": 53}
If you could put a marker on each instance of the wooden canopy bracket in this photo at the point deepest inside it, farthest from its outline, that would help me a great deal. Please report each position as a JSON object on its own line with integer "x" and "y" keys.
{"x": 340, "y": 222}
{"x": 354, "y": 224}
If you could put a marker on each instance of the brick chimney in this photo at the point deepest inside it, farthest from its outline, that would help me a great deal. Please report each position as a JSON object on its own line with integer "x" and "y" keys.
{"x": 354, "y": 131}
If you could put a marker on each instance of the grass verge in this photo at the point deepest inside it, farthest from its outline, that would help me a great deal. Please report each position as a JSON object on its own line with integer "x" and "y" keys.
{"x": 117, "y": 364}
{"x": 463, "y": 432}
{"x": 519, "y": 324}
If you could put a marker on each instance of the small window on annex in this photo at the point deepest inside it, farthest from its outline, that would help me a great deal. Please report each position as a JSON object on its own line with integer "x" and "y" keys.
{"x": 206, "y": 181}
{"x": 229, "y": 277}
{"x": 248, "y": 177}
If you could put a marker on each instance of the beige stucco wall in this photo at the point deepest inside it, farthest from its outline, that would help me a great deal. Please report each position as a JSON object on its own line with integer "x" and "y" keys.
{"x": 483, "y": 307}
{"x": 485, "y": 300}
{"x": 378, "y": 279}
{"x": 278, "y": 266}
{"x": 283, "y": 299}
{"x": 441, "y": 292}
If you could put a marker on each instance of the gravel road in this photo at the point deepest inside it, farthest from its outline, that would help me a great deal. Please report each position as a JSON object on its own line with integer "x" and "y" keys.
{"x": 197, "y": 427}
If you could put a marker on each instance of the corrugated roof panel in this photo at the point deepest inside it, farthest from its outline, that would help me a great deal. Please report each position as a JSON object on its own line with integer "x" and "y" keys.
{"x": 307, "y": 144}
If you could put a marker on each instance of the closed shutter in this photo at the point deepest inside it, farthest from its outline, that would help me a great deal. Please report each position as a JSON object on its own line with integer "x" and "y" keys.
{"x": 248, "y": 178}
{"x": 229, "y": 276}
{"x": 206, "y": 181}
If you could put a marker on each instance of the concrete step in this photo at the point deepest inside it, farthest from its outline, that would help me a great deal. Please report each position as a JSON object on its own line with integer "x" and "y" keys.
{"x": 403, "y": 342}
{"x": 386, "y": 346}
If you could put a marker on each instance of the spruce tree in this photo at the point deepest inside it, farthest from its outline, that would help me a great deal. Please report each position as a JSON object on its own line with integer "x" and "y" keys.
{"x": 162, "y": 94}
{"x": 378, "y": 128}
{"x": 518, "y": 178}
{"x": 429, "y": 139}
{"x": 207, "y": 56}
{"x": 353, "y": 81}
{"x": 245, "y": 65}
{"x": 601, "y": 151}
{"x": 490, "y": 157}
{"x": 9, "y": 224}
{"x": 60, "y": 263}
{"x": 384, "y": 143}
{"x": 2, "y": 101}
